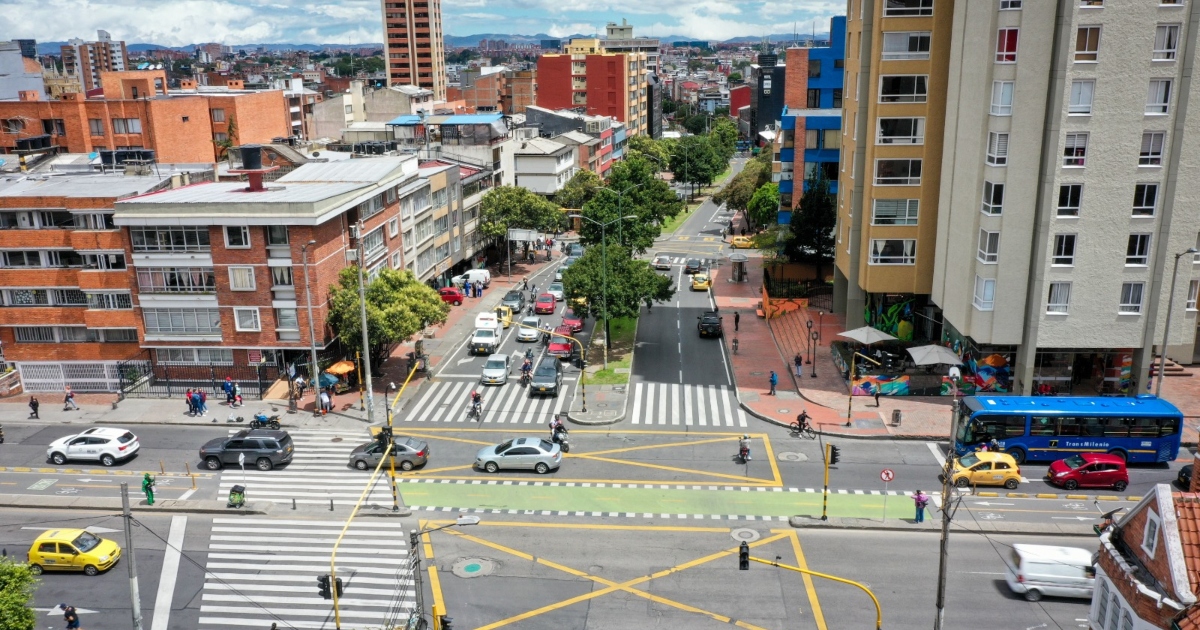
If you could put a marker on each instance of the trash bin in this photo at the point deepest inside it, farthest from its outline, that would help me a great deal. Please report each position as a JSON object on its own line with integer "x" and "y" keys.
{"x": 897, "y": 416}
{"x": 237, "y": 496}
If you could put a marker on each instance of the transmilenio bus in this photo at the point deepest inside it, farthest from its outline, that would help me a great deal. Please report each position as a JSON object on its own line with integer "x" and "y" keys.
{"x": 1143, "y": 429}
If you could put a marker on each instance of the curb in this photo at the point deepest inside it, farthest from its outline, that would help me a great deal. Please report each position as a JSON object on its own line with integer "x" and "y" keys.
{"x": 113, "y": 472}
{"x": 931, "y": 526}
{"x": 625, "y": 407}
{"x": 839, "y": 434}
{"x": 110, "y": 504}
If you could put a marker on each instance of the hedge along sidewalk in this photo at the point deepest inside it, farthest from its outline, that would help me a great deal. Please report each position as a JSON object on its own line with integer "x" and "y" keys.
{"x": 624, "y": 331}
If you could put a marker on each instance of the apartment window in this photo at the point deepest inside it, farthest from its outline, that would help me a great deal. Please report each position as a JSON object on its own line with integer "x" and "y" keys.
{"x": 1150, "y": 534}
{"x": 218, "y": 115}
{"x": 373, "y": 244}
{"x": 127, "y": 125}
{"x": 997, "y": 153}
{"x": 1193, "y": 293}
{"x": 1137, "y": 252}
{"x": 903, "y": 89}
{"x": 218, "y": 356}
{"x": 27, "y": 297}
{"x": 1091, "y": 4}
{"x": 985, "y": 294}
{"x": 395, "y": 260}
{"x": 993, "y": 198}
{"x": 907, "y": 8}
{"x": 120, "y": 335}
{"x": 31, "y": 258}
{"x": 812, "y": 139}
{"x": 34, "y": 334}
{"x": 282, "y": 277}
{"x": 1006, "y": 45}
{"x": 1069, "y": 198}
{"x": 176, "y": 279}
{"x": 814, "y": 69}
{"x": 1002, "y": 98}
{"x": 1131, "y": 298}
{"x": 246, "y": 320}
{"x": 182, "y": 321}
{"x": 1059, "y": 300}
{"x": 285, "y": 319}
{"x": 1010, "y": 5}
{"x": 241, "y": 278}
{"x": 1166, "y": 42}
{"x": 54, "y": 127}
{"x": 277, "y": 235}
{"x": 901, "y": 172}
{"x": 109, "y": 301}
{"x": 104, "y": 262}
{"x": 237, "y": 237}
{"x": 1064, "y": 250}
{"x": 393, "y": 227}
{"x": 893, "y": 251}
{"x": 894, "y": 212}
{"x": 989, "y": 247}
{"x": 96, "y": 126}
{"x": 900, "y": 131}
{"x": 1081, "y": 97}
{"x": 814, "y": 98}
{"x": 76, "y": 334}
{"x": 220, "y": 136}
{"x": 1159, "y": 97}
{"x": 905, "y": 45}
{"x": 837, "y": 99}
{"x": 1152, "y": 148}
{"x": 1087, "y": 43}
{"x": 1145, "y": 199}
{"x": 1075, "y": 149}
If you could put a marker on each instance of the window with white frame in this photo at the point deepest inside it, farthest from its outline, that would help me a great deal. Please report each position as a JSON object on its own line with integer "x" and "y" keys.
{"x": 900, "y": 131}
{"x": 993, "y": 198}
{"x": 893, "y": 251}
{"x": 109, "y": 301}
{"x": 894, "y": 212}
{"x": 1059, "y": 300}
{"x": 1137, "y": 252}
{"x": 127, "y": 125}
{"x": 905, "y": 45}
{"x": 1010, "y": 5}
{"x": 1102, "y": 602}
{"x": 1166, "y": 42}
{"x": 898, "y": 172}
{"x": 1150, "y": 533}
{"x": 1002, "y": 97}
{"x": 1075, "y": 150}
{"x": 902, "y": 89}
{"x": 246, "y": 319}
{"x": 1006, "y": 45}
{"x": 907, "y": 8}
{"x": 1114, "y": 604}
{"x": 1070, "y": 197}
{"x": 1131, "y": 298}
{"x": 393, "y": 227}
{"x": 395, "y": 260}
{"x": 285, "y": 319}
{"x": 1193, "y": 293}
{"x": 1145, "y": 199}
{"x": 237, "y": 237}
{"x": 282, "y": 277}
{"x": 1087, "y": 44}
{"x": 241, "y": 279}
{"x": 1152, "y": 148}
{"x": 989, "y": 247}
{"x": 1064, "y": 250}
{"x": 997, "y": 149}
{"x": 985, "y": 293}
{"x": 182, "y": 321}
{"x": 216, "y": 356}
{"x": 1091, "y": 4}
{"x": 1082, "y": 93}
{"x": 277, "y": 235}
{"x": 1158, "y": 98}
{"x": 373, "y": 244}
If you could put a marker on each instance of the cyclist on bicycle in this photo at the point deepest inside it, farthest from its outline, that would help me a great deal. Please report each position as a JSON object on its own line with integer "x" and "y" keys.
{"x": 476, "y": 402}
{"x": 802, "y": 422}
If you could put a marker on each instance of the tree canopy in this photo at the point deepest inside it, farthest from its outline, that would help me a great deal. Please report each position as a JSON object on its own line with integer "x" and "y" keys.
{"x": 632, "y": 190}
{"x": 724, "y": 134}
{"x": 813, "y": 223}
{"x": 507, "y": 207}
{"x": 17, "y": 584}
{"x": 631, "y": 282}
{"x": 579, "y": 189}
{"x": 764, "y": 205}
{"x": 695, "y": 161}
{"x": 398, "y": 307}
{"x": 644, "y": 145}
{"x": 738, "y": 192}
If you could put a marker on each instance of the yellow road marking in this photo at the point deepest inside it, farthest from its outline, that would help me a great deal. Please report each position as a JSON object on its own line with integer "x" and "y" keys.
{"x": 645, "y": 447}
{"x": 435, "y": 584}
{"x": 447, "y": 439}
{"x": 747, "y": 481}
{"x": 740, "y": 478}
{"x": 596, "y": 526}
{"x": 429, "y": 471}
{"x": 818, "y": 616}
{"x": 770, "y": 452}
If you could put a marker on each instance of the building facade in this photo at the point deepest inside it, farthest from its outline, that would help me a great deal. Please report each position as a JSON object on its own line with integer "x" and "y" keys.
{"x": 767, "y": 90}
{"x": 604, "y": 84}
{"x": 86, "y": 60}
{"x": 413, "y": 45}
{"x": 479, "y": 140}
{"x": 544, "y": 166}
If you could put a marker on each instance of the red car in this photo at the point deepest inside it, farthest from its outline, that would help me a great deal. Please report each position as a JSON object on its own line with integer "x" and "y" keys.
{"x": 452, "y": 295}
{"x": 573, "y": 320}
{"x": 560, "y": 346}
{"x": 545, "y": 304}
{"x": 1089, "y": 470}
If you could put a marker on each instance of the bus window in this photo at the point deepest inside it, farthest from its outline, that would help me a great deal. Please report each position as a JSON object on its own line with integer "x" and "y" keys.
{"x": 1069, "y": 427}
{"x": 1116, "y": 427}
{"x": 1042, "y": 426}
{"x": 987, "y": 427}
{"x": 1168, "y": 426}
{"x": 1143, "y": 427}
{"x": 1093, "y": 427}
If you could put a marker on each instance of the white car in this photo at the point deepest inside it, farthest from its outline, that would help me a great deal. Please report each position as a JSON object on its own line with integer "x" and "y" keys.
{"x": 662, "y": 261}
{"x": 555, "y": 289}
{"x": 103, "y": 444}
{"x": 530, "y": 334}
{"x": 495, "y": 371}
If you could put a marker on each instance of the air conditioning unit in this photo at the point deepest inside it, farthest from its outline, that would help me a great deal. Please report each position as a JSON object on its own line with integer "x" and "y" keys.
{"x": 353, "y": 231}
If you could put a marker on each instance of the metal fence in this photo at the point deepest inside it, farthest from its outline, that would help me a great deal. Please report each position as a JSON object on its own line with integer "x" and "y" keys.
{"x": 819, "y": 294}
{"x": 142, "y": 377}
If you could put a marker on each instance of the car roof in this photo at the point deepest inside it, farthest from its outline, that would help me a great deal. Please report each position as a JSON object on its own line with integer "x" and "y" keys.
{"x": 530, "y": 318}
{"x": 65, "y": 535}
{"x": 256, "y": 433}
{"x": 545, "y": 296}
{"x": 1051, "y": 553}
{"x": 1105, "y": 458}
{"x": 105, "y": 432}
{"x": 989, "y": 456}
{"x": 497, "y": 356}
{"x": 560, "y": 328}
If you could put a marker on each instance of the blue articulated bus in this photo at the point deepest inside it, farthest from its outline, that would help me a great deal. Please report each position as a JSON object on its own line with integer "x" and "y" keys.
{"x": 1143, "y": 429}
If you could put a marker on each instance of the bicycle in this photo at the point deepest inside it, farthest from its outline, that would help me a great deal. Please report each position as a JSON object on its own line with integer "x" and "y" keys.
{"x": 805, "y": 431}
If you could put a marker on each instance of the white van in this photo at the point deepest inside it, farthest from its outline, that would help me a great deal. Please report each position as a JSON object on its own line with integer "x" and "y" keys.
{"x": 1038, "y": 570}
{"x": 473, "y": 275}
{"x": 487, "y": 336}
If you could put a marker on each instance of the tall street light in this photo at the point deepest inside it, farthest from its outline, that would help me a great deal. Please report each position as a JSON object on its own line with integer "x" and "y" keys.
{"x": 362, "y": 307}
{"x": 620, "y": 194}
{"x": 1162, "y": 352}
{"x": 604, "y": 272}
{"x": 314, "y": 378}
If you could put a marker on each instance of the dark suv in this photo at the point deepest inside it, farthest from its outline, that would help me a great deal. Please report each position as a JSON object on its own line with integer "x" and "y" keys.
{"x": 514, "y": 300}
{"x": 710, "y": 324}
{"x": 263, "y": 448}
{"x": 547, "y": 378}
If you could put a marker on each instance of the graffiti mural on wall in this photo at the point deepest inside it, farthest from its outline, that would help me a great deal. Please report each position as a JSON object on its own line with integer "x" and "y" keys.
{"x": 896, "y": 320}
{"x": 992, "y": 373}
{"x": 886, "y": 385}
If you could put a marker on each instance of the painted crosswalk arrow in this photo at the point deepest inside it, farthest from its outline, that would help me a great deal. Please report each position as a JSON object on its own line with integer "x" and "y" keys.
{"x": 90, "y": 480}
{"x": 988, "y": 503}
{"x": 58, "y": 611}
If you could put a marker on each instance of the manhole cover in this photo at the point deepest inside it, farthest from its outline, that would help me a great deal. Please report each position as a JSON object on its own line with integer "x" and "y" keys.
{"x": 756, "y": 374}
{"x": 792, "y": 457}
{"x": 744, "y": 534}
{"x": 473, "y": 567}
{"x": 336, "y": 439}
{"x": 783, "y": 410}
{"x": 601, "y": 404}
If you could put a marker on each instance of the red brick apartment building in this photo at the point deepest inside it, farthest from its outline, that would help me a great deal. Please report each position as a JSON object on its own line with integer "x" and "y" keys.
{"x": 503, "y": 90}
{"x": 138, "y": 112}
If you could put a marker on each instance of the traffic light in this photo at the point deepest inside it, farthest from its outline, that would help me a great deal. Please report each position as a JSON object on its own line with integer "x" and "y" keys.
{"x": 744, "y": 556}
{"x": 338, "y": 583}
{"x": 445, "y": 623}
{"x": 835, "y": 455}
{"x": 385, "y": 435}
{"x": 413, "y": 538}
{"x": 323, "y": 587}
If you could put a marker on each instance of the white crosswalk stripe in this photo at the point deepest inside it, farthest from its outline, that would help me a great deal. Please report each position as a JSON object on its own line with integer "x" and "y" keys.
{"x": 688, "y": 405}
{"x": 262, "y": 571}
{"x": 704, "y": 262}
{"x": 449, "y": 401}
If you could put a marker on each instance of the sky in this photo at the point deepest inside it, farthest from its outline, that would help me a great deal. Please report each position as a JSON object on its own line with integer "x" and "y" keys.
{"x": 236, "y": 22}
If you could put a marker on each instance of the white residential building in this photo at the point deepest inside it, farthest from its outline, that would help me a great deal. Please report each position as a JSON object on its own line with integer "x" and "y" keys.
{"x": 543, "y": 165}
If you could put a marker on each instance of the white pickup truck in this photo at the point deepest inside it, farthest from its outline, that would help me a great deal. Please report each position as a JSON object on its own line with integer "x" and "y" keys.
{"x": 487, "y": 336}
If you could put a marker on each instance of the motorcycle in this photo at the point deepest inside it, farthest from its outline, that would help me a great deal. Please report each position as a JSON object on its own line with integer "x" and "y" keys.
{"x": 744, "y": 453}
{"x": 559, "y": 437}
{"x": 261, "y": 421}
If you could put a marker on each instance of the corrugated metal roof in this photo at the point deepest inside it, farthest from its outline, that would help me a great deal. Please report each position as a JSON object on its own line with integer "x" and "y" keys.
{"x": 367, "y": 170}
{"x": 237, "y": 192}
{"x": 539, "y": 146}
{"x": 80, "y": 186}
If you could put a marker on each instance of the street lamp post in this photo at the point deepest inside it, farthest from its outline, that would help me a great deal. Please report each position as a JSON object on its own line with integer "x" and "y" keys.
{"x": 811, "y": 353}
{"x": 366, "y": 348}
{"x": 391, "y": 387}
{"x": 604, "y": 272}
{"x": 815, "y": 337}
{"x": 621, "y": 226}
{"x": 1162, "y": 352}
{"x": 314, "y": 378}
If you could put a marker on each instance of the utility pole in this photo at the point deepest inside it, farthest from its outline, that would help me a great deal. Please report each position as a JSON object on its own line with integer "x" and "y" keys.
{"x": 135, "y": 598}
{"x": 944, "y": 550}
{"x": 366, "y": 348}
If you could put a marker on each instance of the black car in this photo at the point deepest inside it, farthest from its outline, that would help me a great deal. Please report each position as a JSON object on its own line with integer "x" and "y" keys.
{"x": 263, "y": 448}
{"x": 514, "y": 300}
{"x": 710, "y": 324}
{"x": 692, "y": 266}
{"x": 547, "y": 378}
{"x": 1185, "y": 477}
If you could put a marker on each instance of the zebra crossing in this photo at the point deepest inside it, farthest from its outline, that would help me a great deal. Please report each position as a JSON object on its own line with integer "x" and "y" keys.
{"x": 261, "y": 572}
{"x": 449, "y": 401}
{"x": 704, "y": 262}
{"x": 685, "y": 405}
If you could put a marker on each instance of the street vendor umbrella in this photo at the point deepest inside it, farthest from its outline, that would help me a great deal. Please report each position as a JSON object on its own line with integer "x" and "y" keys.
{"x": 867, "y": 335}
{"x": 341, "y": 368}
{"x": 328, "y": 380}
{"x": 934, "y": 355}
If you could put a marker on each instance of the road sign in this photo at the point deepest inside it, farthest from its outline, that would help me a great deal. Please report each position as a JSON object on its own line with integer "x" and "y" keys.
{"x": 887, "y": 475}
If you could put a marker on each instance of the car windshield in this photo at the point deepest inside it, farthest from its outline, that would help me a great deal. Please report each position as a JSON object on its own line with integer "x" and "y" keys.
{"x": 545, "y": 299}
{"x": 531, "y": 321}
{"x": 85, "y": 542}
{"x": 695, "y": 262}
{"x": 483, "y": 333}
{"x": 1074, "y": 461}
{"x": 700, "y": 277}
{"x": 512, "y": 295}
{"x": 494, "y": 364}
{"x": 557, "y": 286}
{"x": 968, "y": 460}
{"x": 503, "y": 446}
{"x": 569, "y": 313}
{"x": 545, "y": 371}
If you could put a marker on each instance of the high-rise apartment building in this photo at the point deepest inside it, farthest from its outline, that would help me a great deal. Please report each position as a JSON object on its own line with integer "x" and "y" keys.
{"x": 413, "y": 44}
{"x": 605, "y": 84}
{"x": 87, "y": 60}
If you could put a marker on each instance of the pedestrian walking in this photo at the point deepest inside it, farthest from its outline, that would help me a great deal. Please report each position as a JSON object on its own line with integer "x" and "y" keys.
{"x": 876, "y": 396}
{"x": 237, "y": 395}
{"x": 799, "y": 365}
{"x": 326, "y": 404}
{"x": 148, "y": 488}
{"x": 479, "y": 285}
{"x": 774, "y": 381}
{"x": 920, "y": 500}
{"x": 737, "y": 319}
{"x": 70, "y": 616}
{"x": 743, "y": 231}
{"x": 196, "y": 409}
{"x": 190, "y": 402}
{"x": 69, "y": 399}
{"x": 228, "y": 388}
{"x": 203, "y": 402}
{"x": 33, "y": 407}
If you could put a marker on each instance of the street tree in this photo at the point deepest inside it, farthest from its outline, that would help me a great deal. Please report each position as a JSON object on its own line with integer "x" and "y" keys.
{"x": 579, "y": 189}
{"x": 724, "y": 135}
{"x": 741, "y": 188}
{"x": 633, "y": 189}
{"x": 17, "y": 584}
{"x": 506, "y": 207}
{"x": 645, "y": 145}
{"x": 696, "y": 123}
{"x": 813, "y": 224}
{"x": 694, "y": 161}
{"x": 764, "y": 205}
{"x": 398, "y": 307}
{"x": 613, "y": 276}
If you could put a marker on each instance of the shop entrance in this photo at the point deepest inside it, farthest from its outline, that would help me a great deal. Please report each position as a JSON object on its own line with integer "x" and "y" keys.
{"x": 1064, "y": 372}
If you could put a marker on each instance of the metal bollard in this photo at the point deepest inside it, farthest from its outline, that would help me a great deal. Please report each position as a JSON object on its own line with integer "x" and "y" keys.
{"x": 162, "y": 469}
{"x": 188, "y": 468}
{"x": 331, "y": 505}
{"x": 293, "y": 503}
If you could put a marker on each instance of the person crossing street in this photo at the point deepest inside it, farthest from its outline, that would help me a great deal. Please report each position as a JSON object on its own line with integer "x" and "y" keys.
{"x": 148, "y": 488}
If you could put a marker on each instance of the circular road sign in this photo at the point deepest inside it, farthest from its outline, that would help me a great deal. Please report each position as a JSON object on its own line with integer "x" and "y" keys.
{"x": 887, "y": 474}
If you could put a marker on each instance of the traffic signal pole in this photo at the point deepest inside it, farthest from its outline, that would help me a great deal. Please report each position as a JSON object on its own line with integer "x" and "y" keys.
{"x": 745, "y": 559}
{"x": 944, "y": 550}
{"x": 825, "y": 492}
{"x": 337, "y": 615}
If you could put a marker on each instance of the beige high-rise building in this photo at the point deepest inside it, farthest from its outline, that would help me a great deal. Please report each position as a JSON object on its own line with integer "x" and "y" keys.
{"x": 86, "y": 60}
{"x": 413, "y": 47}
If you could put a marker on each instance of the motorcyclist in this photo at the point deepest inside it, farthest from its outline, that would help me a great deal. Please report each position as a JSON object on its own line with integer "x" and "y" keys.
{"x": 556, "y": 427}
{"x": 526, "y": 368}
{"x": 528, "y": 356}
{"x": 744, "y": 447}
{"x": 476, "y": 402}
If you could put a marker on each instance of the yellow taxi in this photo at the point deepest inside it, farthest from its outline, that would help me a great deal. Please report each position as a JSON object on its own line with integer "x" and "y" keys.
{"x": 742, "y": 242}
{"x": 986, "y": 469}
{"x": 701, "y": 282}
{"x": 505, "y": 315}
{"x": 72, "y": 550}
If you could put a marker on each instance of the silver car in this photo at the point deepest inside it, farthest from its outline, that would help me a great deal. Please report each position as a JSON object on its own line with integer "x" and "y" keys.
{"x": 410, "y": 453}
{"x": 556, "y": 289}
{"x": 495, "y": 371}
{"x": 662, "y": 261}
{"x": 528, "y": 453}
{"x": 530, "y": 334}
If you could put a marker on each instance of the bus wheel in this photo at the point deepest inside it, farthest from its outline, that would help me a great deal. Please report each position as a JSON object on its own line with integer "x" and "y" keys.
{"x": 1017, "y": 454}
{"x": 1119, "y": 453}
